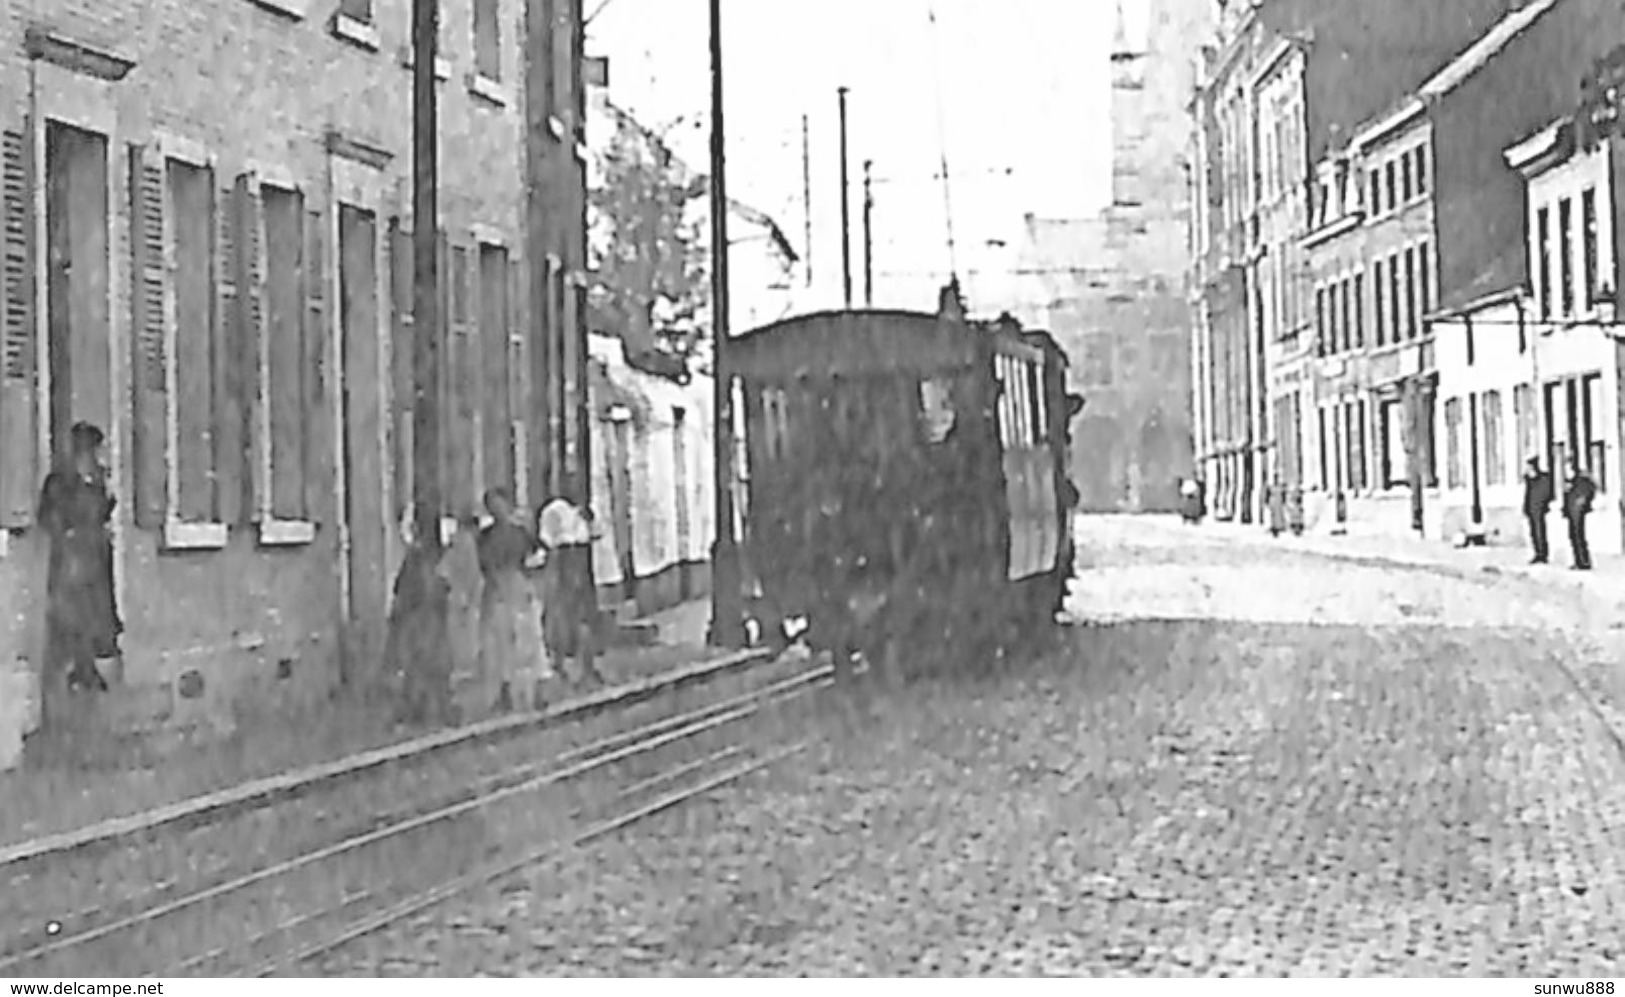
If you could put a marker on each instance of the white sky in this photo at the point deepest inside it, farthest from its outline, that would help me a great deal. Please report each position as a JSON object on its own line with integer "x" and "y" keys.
{"x": 1024, "y": 88}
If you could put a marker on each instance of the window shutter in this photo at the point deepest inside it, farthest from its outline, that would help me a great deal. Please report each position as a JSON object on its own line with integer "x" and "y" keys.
{"x": 319, "y": 469}
{"x": 249, "y": 361}
{"x": 401, "y": 265}
{"x": 445, "y": 406}
{"x": 18, "y": 440}
{"x": 227, "y": 396}
{"x": 150, "y": 363}
{"x": 518, "y": 382}
{"x": 464, "y": 481}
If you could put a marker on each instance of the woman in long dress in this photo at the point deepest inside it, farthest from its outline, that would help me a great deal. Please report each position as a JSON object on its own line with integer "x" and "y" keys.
{"x": 513, "y": 653}
{"x": 417, "y": 652}
{"x": 75, "y": 508}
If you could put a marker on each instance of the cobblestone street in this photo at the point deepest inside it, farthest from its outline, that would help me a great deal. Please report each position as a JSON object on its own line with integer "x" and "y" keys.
{"x": 1247, "y": 759}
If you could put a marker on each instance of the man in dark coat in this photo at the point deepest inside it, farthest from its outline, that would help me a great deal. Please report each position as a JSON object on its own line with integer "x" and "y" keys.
{"x": 1577, "y": 499}
{"x": 82, "y": 619}
{"x": 1537, "y": 502}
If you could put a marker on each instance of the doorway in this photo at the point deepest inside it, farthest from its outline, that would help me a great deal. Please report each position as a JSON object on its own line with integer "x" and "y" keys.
{"x": 620, "y": 503}
{"x": 366, "y": 521}
{"x": 76, "y": 275}
{"x": 76, "y": 217}
{"x": 679, "y": 460}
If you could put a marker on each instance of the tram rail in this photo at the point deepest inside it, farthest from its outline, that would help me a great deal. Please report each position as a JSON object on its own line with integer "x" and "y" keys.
{"x": 308, "y": 885}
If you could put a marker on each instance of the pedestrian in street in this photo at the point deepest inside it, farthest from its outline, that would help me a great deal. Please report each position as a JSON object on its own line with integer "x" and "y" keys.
{"x": 1537, "y": 503}
{"x": 1276, "y": 497}
{"x": 567, "y": 532}
{"x": 1577, "y": 499}
{"x": 75, "y": 508}
{"x": 417, "y": 649}
{"x": 513, "y": 654}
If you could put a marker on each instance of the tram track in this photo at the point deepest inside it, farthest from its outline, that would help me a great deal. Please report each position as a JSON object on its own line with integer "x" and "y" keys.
{"x": 282, "y": 904}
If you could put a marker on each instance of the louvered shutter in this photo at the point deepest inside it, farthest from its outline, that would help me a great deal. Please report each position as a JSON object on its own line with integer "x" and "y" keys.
{"x": 226, "y": 396}
{"x": 496, "y": 424}
{"x": 251, "y": 365}
{"x": 18, "y": 440}
{"x": 465, "y": 476}
{"x": 404, "y": 346}
{"x": 445, "y": 404}
{"x": 518, "y": 383}
{"x": 319, "y": 458}
{"x": 150, "y": 362}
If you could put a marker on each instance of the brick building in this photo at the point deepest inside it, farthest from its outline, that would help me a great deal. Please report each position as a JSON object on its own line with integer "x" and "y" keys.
{"x": 206, "y": 214}
{"x": 1282, "y": 82}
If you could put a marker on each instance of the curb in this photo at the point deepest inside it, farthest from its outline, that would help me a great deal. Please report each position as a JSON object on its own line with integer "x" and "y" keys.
{"x": 270, "y": 789}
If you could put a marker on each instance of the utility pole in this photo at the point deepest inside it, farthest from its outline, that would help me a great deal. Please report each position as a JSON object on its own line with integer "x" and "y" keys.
{"x": 426, "y": 272}
{"x": 868, "y": 235}
{"x": 727, "y": 623}
{"x": 846, "y": 210}
{"x": 806, "y": 192}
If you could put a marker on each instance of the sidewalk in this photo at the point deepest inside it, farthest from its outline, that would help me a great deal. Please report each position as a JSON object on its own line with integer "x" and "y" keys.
{"x": 1604, "y": 583}
{"x": 48, "y": 800}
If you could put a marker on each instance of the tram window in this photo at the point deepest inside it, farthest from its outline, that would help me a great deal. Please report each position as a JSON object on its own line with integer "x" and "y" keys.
{"x": 1023, "y": 430}
{"x": 1040, "y": 408}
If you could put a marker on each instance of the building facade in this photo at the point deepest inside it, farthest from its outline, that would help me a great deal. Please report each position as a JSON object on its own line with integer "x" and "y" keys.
{"x": 1535, "y": 372}
{"x": 1283, "y": 87}
{"x": 207, "y": 218}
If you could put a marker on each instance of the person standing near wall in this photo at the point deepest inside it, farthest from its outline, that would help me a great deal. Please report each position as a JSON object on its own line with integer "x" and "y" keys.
{"x": 567, "y": 533}
{"x": 1537, "y": 503}
{"x": 1577, "y": 499}
{"x": 75, "y": 508}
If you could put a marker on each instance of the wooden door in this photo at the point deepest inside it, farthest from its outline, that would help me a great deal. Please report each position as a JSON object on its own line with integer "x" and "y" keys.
{"x": 366, "y": 520}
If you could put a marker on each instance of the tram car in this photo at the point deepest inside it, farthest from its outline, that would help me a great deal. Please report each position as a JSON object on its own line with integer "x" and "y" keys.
{"x": 904, "y": 492}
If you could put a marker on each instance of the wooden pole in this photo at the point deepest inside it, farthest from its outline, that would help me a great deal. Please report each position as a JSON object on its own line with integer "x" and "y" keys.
{"x": 727, "y": 621}
{"x": 426, "y": 316}
{"x": 846, "y": 210}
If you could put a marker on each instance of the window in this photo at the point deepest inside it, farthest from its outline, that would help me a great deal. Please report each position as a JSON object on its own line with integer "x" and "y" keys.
{"x": 488, "y": 39}
{"x": 1588, "y": 245}
{"x": 1097, "y": 361}
{"x": 356, "y": 10}
{"x": 1424, "y": 280}
{"x": 1565, "y": 255}
{"x": 286, "y": 362}
{"x": 1410, "y": 293}
{"x": 1406, "y": 191}
{"x": 1543, "y": 261}
{"x": 1320, "y": 322}
{"x": 1421, "y": 170}
{"x": 1393, "y": 184}
{"x": 1374, "y": 190}
{"x": 192, "y": 200}
{"x": 1395, "y": 466}
{"x": 1358, "y": 479}
{"x": 1494, "y": 453}
{"x": 1574, "y": 413}
{"x": 1523, "y": 415}
{"x": 1395, "y": 313}
{"x": 1452, "y": 443}
{"x": 1359, "y": 311}
{"x": 1346, "y": 314}
{"x": 1378, "y": 313}
{"x": 1325, "y": 452}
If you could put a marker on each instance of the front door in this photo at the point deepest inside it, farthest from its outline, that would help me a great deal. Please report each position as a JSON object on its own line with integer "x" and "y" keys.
{"x": 620, "y": 500}
{"x": 366, "y": 521}
{"x": 76, "y": 309}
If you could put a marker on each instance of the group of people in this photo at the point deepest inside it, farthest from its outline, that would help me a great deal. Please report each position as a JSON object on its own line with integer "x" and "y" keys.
{"x": 480, "y": 625}
{"x": 1579, "y": 492}
{"x": 491, "y": 612}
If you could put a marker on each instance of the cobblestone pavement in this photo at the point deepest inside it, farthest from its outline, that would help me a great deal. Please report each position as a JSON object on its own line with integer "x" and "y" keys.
{"x": 1245, "y": 761}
